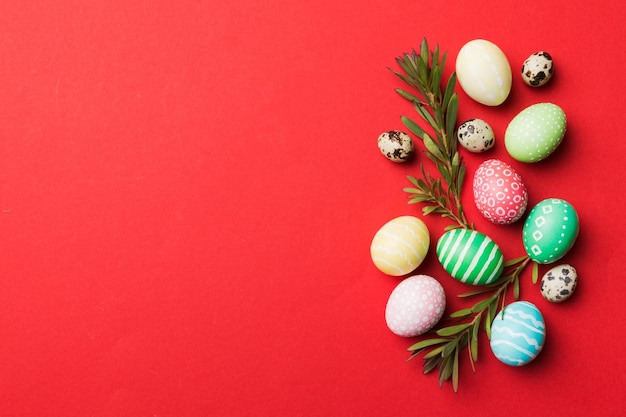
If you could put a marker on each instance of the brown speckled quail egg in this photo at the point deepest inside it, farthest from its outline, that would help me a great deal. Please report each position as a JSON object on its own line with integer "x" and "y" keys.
{"x": 559, "y": 283}
{"x": 396, "y": 145}
{"x": 475, "y": 135}
{"x": 537, "y": 69}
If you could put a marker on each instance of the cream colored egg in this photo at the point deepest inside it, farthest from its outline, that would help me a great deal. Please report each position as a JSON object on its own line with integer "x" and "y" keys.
{"x": 484, "y": 72}
{"x": 400, "y": 245}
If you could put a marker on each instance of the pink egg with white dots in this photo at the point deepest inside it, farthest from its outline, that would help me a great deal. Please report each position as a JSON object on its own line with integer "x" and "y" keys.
{"x": 499, "y": 192}
{"x": 415, "y": 306}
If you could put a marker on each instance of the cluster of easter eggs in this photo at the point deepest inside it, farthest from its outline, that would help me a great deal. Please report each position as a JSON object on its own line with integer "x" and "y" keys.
{"x": 550, "y": 229}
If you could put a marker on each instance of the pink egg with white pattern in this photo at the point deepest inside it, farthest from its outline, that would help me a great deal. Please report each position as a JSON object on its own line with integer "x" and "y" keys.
{"x": 499, "y": 192}
{"x": 415, "y": 306}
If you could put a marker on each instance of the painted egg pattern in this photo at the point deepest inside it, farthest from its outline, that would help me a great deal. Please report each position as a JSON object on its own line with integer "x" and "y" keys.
{"x": 475, "y": 135}
{"x": 484, "y": 72}
{"x": 400, "y": 245}
{"x": 518, "y": 333}
{"x": 470, "y": 256}
{"x": 537, "y": 69}
{"x": 550, "y": 230}
{"x": 559, "y": 283}
{"x": 535, "y": 132}
{"x": 415, "y": 306}
{"x": 499, "y": 192}
{"x": 395, "y": 145}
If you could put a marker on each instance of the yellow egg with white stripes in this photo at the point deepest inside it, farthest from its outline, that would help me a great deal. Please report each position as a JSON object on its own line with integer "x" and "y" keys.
{"x": 400, "y": 245}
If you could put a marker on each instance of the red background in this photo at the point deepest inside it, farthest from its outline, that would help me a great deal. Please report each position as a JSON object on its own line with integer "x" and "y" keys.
{"x": 188, "y": 191}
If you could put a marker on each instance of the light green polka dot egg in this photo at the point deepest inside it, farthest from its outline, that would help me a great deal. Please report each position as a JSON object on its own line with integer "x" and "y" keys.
{"x": 535, "y": 132}
{"x": 550, "y": 230}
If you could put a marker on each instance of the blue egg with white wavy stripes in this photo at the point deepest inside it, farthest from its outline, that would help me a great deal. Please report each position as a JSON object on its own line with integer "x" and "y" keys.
{"x": 518, "y": 333}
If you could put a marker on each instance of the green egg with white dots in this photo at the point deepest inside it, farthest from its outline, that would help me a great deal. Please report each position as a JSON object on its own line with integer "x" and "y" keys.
{"x": 550, "y": 230}
{"x": 536, "y": 132}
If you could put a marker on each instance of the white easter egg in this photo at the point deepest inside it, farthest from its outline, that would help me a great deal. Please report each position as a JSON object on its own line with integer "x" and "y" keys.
{"x": 415, "y": 306}
{"x": 484, "y": 72}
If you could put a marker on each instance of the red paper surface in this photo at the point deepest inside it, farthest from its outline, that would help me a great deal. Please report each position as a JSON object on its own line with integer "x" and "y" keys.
{"x": 188, "y": 191}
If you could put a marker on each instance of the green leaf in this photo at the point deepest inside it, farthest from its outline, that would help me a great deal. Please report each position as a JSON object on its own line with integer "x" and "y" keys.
{"x": 435, "y": 80}
{"x": 434, "y": 352}
{"x": 449, "y": 348}
{"x": 462, "y": 313}
{"x": 412, "y": 126}
{"x": 407, "y": 79}
{"x": 516, "y": 288}
{"x": 474, "y": 340}
{"x": 472, "y": 293}
{"x": 430, "y": 364}
{"x": 451, "y": 115}
{"x": 449, "y": 91}
{"x": 481, "y": 305}
{"x": 406, "y": 63}
{"x": 424, "y": 51}
{"x": 425, "y": 114}
{"x": 488, "y": 321}
{"x": 445, "y": 370}
{"x": 412, "y": 190}
{"x": 412, "y": 180}
{"x": 428, "y": 342}
{"x": 455, "y": 371}
{"x": 535, "y": 273}
{"x": 430, "y": 209}
{"x": 515, "y": 261}
{"x": 405, "y": 94}
{"x": 422, "y": 72}
{"x": 452, "y": 330}
{"x": 460, "y": 178}
{"x": 433, "y": 148}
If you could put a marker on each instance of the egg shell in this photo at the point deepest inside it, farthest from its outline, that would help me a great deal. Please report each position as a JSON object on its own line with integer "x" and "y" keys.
{"x": 518, "y": 333}
{"x": 475, "y": 135}
{"x": 559, "y": 283}
{"x": 484, "y": 72}
{"x": 550, "y": 230}
{"x": 395, "y": 145}
{"x": 535, "y": 132}
{"x": 415, "y": 306}
{"x": 400, "y": 245}
{"x": 499, "y": 192}
{"x": 537, "y": 69}
{"x": 470, "y": 256}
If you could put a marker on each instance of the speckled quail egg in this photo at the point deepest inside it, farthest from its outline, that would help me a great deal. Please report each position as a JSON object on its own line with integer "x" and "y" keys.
{"x": 559, "y": 283}
{"x": 396, "y": 145}
{"x": 537, "y": 69}
{"x": 475, "y": 135}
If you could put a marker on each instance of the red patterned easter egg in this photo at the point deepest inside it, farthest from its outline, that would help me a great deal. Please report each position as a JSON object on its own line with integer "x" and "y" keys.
{"x": 499, "y": 193}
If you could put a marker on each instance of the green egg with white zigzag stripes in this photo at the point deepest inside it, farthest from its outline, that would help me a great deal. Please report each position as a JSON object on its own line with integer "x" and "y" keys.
{"x": 470, "y": 256}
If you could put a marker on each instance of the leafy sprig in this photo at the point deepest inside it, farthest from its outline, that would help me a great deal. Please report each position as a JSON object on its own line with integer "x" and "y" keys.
{"x": 438, "y": 107}
{"x": 442, "y": 348}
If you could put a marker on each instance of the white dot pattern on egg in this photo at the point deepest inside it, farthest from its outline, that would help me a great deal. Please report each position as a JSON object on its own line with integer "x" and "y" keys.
{"x": 499, "y": 192}
{"x": 535, "y": 132}
{"x": 415, "y": 306}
